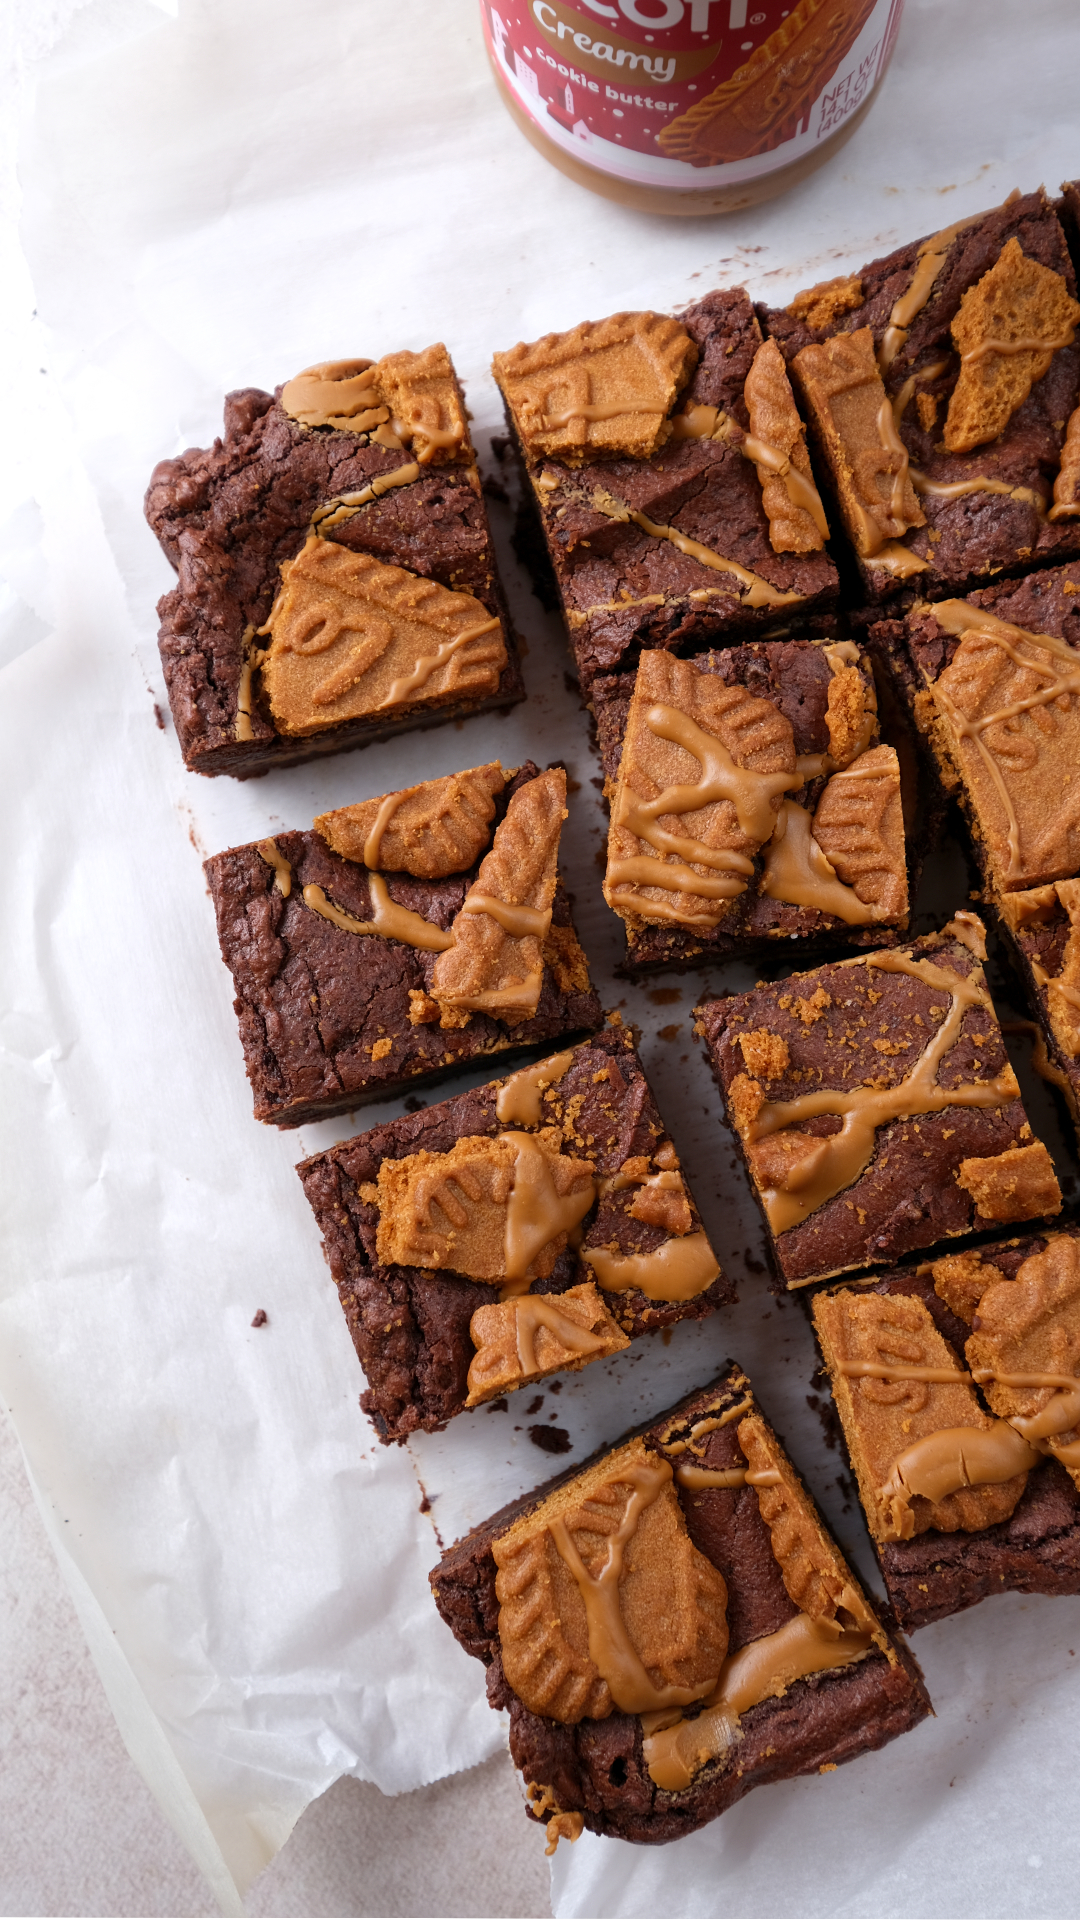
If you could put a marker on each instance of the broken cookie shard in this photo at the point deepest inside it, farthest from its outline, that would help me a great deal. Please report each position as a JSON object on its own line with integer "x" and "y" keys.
{"x": 603, "y": 387}
{"x": 777, "y": 444}
{"x": 350, "y": 636}
{"x": 413, "y": 398}
{"x": 496, "y": 962}
{"x": 431, "y": 830}
{"x": 1008, "y": 327}
{"x": 521, "y": 1340}
{"x": 859, "y": 826}
{"x": 842, "y": 387}
{"x": 491, "y": 1209}
{"x": 605, "y": 1603}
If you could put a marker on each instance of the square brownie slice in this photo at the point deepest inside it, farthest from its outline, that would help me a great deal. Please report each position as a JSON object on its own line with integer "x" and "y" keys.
{"x": 752, "y": 800}
{"x": 958, "y": 1389}
{"x": 336, "y": 575}
{"x": 671, "y": 1625}
{"x": 666, "y": 462}
{"x": 875, "y": 1105}
{"x": 522, "y": 1229}
{"x": 401, "y": 938}
{"x": 941, "y": 384}
{"x": 994, "y": 690}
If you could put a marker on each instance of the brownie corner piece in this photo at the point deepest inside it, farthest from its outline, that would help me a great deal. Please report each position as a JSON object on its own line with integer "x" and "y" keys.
{"x": 666, "y": 463}
{"x": 875, "y": 1106}
{"x": 738, "y": 1650}
{"x": 996, "y": 680}
{"x": 367, "y": 954}
{"x": 954, "y": 1382}
{"x": 941, "y": 383}
{"x": 336, "y": 576}
{"x": 526, "y": 1228}
{"x": 798, "y": 798}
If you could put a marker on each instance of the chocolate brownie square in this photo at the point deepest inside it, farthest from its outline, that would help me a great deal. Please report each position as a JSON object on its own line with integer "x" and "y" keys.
{"x": 336, "y": 580}
{"x": 671, "y": 1625}
{"x": 958, "y": 1389}
{"x": 528, "y": 1227}
{"x": 941, "y": 384}
{"x": 994, "y": 690}
{"x": 666, "y": 462}
{"x": 401, "y": 938}
{"x": 875, "y": 1106}
{"x": 753, "y": 800}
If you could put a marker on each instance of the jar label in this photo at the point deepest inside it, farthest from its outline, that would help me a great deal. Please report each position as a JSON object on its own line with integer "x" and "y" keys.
{"x": 689, "y": 93}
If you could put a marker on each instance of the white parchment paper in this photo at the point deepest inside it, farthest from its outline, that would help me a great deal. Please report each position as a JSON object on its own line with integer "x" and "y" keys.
{"x": 211, "y": 199}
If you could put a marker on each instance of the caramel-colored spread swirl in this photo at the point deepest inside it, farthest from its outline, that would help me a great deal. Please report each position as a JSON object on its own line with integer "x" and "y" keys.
{"x": 269, "y": 851}
{"x": 793, "y": 1187}
{"x": 389, "y": 920}
{"x": 678, "y": 1269}
{"x": 519, "y": 1101}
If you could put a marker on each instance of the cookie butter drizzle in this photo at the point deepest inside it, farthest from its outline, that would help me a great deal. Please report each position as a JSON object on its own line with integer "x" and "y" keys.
{"x": 268, "y": 851}
{"x": 610, "y": 1647}
{"x": 759, "y": 591}
{"x": 538, "y": 1310}
{"x": 799, "y": 872}
{"x": 678, "y": 1269}
{"x": 839, "y": 1158}
{"x": 344, "y": 505}
{"x": 750, "y": 793}
{"x": 519, "y": 1098}
{"x": 536, "y": 1214}
{"x": 390, "y": 921}
{"x": 960, "y": 617}
{"x": 931, "y": 259}
{"x": 708, "y": 423}
{"x": 242, "y": 730}
{"x": 518, "y": 922}
{"x": 429, "y": 663}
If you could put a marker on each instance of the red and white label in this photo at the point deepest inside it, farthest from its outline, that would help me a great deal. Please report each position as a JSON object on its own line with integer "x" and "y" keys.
{"x": 689, "y": 93}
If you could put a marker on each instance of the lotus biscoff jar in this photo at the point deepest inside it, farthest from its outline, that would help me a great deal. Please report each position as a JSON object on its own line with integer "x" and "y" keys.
{"x": 689, "y": 106}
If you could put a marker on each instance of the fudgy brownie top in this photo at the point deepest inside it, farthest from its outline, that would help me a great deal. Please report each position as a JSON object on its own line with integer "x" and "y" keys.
{"x": 623, "y": 587}
{"x": 866, "y": 1054}
{"x": 741, "y": 1511}
{"x": 970, "y": 531}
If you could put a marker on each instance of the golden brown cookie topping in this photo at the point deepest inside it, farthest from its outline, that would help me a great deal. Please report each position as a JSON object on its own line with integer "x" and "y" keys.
{"x": 850, "y": 409}
{"x": 605, "y": 1604}
{"x": 604, "y": 387}
{"x": 1019, "y": 1184}
{"x": 1007, "y": 330}
{"x": 661, "y": 1202}
{"x": 351, "y": 636}
{"x": 819, "y": 306}
{"x": 496, "y": 962}
{"x": 495, "y": 1209}
{"x": 403, "y": 400}
{"x": 567, "y": 959}
{"x": 1007, "y": 704}
{"x": 850, "y": 715}
{"x": 702, "y": 771}
{"x": 815, "y": 1575}
{"x": 896, "y": 1381}
{"x": 1026, "y": 1348}
{"x": 859, "y": 825}
{"x": 960, "y": 1280}
{"x": 1067, "y": 484}
{"x": 766, "y": 1054}
{"x": 436, "y": 828}
{"x": 539, "y": 1333}
{"x": 777, "y": 443}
